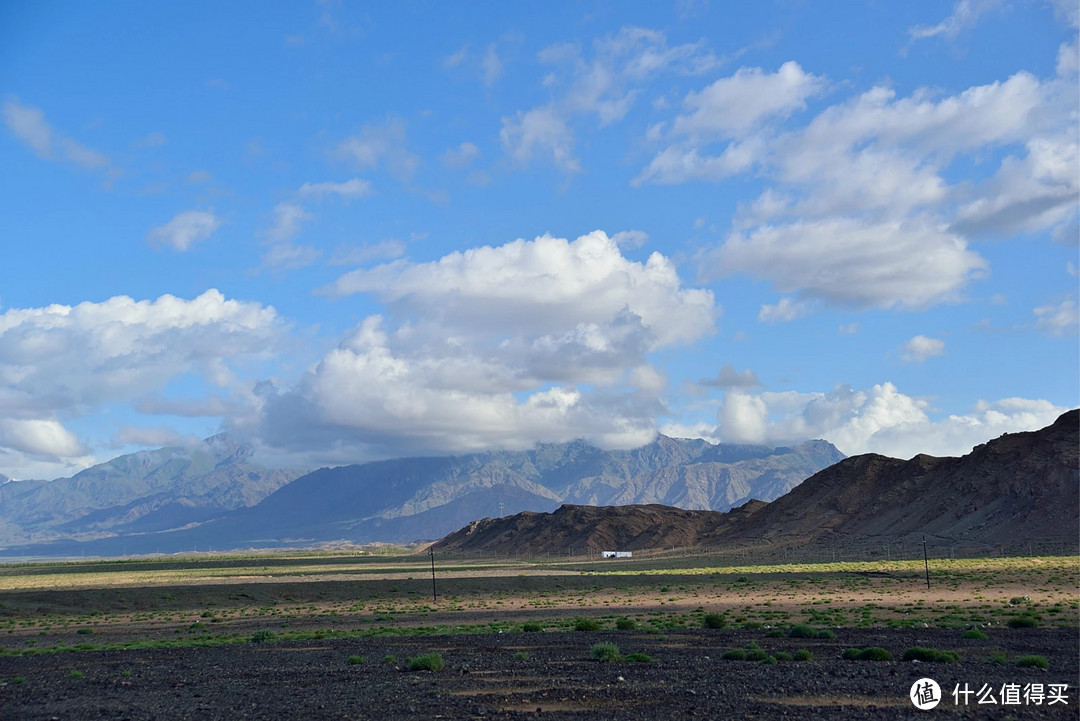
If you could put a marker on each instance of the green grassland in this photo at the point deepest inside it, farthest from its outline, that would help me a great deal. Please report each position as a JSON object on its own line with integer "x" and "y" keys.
{"x": 94, "y": 605}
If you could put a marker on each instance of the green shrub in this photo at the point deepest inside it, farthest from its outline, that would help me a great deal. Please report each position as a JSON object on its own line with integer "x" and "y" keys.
{"x": 389, "y": 659}
{"x": 626, "y": 624}
{"x": 586, "y": 624}
{"x": 735, "y": 654}
{"x": 607, "y": 652}
{"x": 714, "y": 620}
{"x": 782, "y": 656}
{"x": 769, "y": 660}
{"x": 920, "y": 653}
{"x": 803, "y": 655}
{"x": 872, "y": 653}
{"x": 775, "y": 633}
{"x": 975, "y": 634}
{"x": 531, "y": 627}
{"x": 803, "y": 630}
{"x": 521, "y": 656}
{"x": 638, "y": 657}
{"x": 76, "y": 674}
{"x": 1017, "y": 600}
{"x": 999, "y": 658}
{"x": 426, "y": 662}
{"x": 263, "y": 635}
{"x": 353, "y": 660}
{"x": 85, "y": 630}
{"x": 19, "y": 679}
{"x": 756, "y": 655}
{"x": 751, "y": 645}
{"x": 1033, "y": 660}
{"x": 1023, "y": 622}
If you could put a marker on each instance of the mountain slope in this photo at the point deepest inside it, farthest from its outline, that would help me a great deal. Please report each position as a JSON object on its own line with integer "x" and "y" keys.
{"x": 1021, "y": 487}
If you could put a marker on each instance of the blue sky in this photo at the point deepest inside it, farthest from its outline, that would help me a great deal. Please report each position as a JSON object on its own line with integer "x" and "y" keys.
{"x": 349, "y": 231}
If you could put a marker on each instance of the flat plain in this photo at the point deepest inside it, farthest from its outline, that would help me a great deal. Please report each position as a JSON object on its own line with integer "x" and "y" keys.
{"x": 333, "y": 635}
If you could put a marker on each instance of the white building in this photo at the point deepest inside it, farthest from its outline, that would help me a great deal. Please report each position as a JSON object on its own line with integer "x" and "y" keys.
{"x": 617, "y": 554}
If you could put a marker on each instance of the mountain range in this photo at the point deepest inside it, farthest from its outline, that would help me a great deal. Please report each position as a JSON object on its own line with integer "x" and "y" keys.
{"x": 1021, "y": 488}
{"x": 102, "y": 511}
{"x": 138, "y": 493}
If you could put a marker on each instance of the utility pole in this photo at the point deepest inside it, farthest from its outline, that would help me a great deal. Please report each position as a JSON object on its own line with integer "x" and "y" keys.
{"x": 926, "y": 560}
{"x": 434, "y": 596}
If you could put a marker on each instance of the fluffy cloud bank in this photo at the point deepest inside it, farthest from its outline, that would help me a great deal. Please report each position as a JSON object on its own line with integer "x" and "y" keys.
{"x": 64, "y": 361}
{"x": 878, "y": 420}
{"x": 496, "y": 347}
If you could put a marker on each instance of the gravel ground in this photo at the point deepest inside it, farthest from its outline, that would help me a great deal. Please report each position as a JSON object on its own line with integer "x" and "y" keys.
{"x": 559, "y": 679}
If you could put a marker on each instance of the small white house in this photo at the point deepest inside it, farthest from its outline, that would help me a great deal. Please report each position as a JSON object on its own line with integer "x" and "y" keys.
{"x": 617, "y": 554}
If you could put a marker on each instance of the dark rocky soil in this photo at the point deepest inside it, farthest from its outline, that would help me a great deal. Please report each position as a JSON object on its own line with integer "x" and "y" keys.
{"x": 559, "y": 679}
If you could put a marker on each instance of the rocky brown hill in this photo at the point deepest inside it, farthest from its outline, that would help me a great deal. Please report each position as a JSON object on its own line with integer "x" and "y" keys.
{"x": 1021, "y": 487}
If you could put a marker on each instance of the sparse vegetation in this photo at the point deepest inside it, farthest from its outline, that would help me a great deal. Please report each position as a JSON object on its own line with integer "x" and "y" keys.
{"x": 625, "y": 624}
{"x": 531, "y": 627}
{"x": 735, "y": 654}
{"x": 586, "y": 624}
{"x": 355, "y": 660}
{"x": 389, "y": 659}
{"x": 1023, "y": 622}
{"x": 76, "y": 674}
{"x": 803, "y": 655}
{"x": 521, "y": 656}
{"x": 714, "y": 620}
{"x": 638, "y": 657}
{"x": 974, "y": 635}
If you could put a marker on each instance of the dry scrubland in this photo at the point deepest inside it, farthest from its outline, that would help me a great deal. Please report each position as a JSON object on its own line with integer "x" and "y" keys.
{"x": 281, "y": 636}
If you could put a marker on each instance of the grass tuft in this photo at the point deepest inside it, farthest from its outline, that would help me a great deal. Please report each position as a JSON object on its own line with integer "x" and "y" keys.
{"x": 586, "y": 624}
{"x": 626, "y": 624}
{"x": 872, "y": 653}
{"x": 921, "y": 653}
{"x": 975, "y": 634}
{"x": 606, "y": 652}
{"x": 1033, "y": 660}
{"x": 426, "y": 662}
{"x": 354, "y": 660}
{"x": 638, "y": 657}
